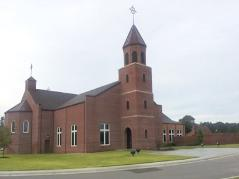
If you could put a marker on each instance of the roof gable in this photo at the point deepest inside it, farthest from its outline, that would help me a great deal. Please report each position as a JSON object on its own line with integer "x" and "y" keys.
{"x": 21, "y": 107}
{"x": 81, "y": 97}
{"x": 166, "y": 119}
{"x": 50, "y": 100}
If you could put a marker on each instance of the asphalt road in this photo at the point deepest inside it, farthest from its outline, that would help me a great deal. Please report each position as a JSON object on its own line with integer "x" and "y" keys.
{"x": 209, "y": 169}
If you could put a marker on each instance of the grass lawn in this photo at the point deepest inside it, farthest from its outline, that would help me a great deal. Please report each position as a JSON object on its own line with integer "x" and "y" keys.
{"x": 79, "y": 160}
{"x": 208, "y": 146}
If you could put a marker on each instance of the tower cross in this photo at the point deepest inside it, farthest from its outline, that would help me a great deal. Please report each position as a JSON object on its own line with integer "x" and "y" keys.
{"x": 133, "y": 11}
{"x": 31, "y": 69}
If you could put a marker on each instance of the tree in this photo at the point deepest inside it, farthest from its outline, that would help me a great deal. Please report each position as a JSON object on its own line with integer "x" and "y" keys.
{"x": 2, "y": 121}
{"x": 5, "y": 138}
{"x": 188, "y": 121}
{"x": 199, "y": 137}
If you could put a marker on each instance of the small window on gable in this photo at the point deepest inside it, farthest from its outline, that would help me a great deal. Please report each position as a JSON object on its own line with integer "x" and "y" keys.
{"x": 134, "y": 56}
{"x": 145, "y": 134}
{"x": 142, "y": 57}
{"x": 25, "y": 127}
{"x": 127, "y": 105}
{"x": 126, "y": 59}
{"x": 127, "y": 78}
{"x": 13, "y": 127}
{"x": 145, "y": 104}
{"x": 144, "y": 78}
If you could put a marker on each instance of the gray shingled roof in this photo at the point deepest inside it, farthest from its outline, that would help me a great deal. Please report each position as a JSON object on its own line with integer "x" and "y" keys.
{"x": 166, "y": 119}
{"x": 50, "y": 100}
{"x": 134, "y": 38}
{"x": 21, "y": 107}
{"x": 81, "y": 97}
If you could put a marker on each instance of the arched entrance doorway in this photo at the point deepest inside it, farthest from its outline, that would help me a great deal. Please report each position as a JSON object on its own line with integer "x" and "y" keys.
{"x": 128, "y": 137}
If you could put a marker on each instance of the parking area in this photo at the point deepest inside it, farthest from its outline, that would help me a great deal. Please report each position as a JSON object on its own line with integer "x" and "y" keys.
{"x": 203, "y": 152}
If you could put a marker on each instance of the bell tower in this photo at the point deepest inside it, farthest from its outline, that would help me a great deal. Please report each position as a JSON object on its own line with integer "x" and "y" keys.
{"x": 137, "y": 110}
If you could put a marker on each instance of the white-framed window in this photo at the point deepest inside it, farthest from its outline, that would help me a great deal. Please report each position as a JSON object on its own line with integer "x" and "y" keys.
{"x": 25, "y": 126}
{"x": 179, "y": 132}
{"x": 164, "y": 136}
{"x": 74, "y": 135}
{"x": 13, "y": 127}
{"x": 171, "y": 135}
{"x": 104, "y": 134}
{"x": 58, "y": 136}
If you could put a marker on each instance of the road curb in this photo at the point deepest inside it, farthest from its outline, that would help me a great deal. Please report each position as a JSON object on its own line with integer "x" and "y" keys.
{"x": 109, "y": 169}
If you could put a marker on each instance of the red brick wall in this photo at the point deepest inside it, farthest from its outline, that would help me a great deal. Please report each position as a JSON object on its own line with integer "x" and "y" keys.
{"x": 20, "y": 142}
{"x": 104, "y": 108}
{"x": 209, "y": 139}
{"x": 65, "y": 118}
{"x": 222, "y": 138}
{"x": 46, "y": 126}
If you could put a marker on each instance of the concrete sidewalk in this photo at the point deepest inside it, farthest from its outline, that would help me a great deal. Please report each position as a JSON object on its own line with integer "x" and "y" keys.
{"x": 202, "y": 154}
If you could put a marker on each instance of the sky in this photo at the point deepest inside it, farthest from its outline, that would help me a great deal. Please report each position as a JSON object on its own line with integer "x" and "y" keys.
{"x": 76, "y": 45}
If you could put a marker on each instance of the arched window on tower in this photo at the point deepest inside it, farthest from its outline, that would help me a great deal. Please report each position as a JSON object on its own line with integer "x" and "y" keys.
{"x": 142, "y": 57}
{"x": 127, "y": 105}
{"x": 126, "y": 59}
{"x": 127, "y": 78}
{"x": 145, "y": 104}
{"x": 134, "y": 56}
{"x": 145, "y": 134}
{"x": 144, "y": 78}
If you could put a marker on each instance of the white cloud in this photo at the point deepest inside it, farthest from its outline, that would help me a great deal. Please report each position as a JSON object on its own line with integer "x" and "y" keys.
{"x": 77, "y": 45}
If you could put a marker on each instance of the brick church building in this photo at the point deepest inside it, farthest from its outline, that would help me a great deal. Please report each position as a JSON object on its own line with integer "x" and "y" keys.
{"x": 118, "y": 115}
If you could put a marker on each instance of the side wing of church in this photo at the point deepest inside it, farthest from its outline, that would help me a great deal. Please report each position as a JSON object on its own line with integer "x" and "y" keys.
{"x": 118, "y": 115}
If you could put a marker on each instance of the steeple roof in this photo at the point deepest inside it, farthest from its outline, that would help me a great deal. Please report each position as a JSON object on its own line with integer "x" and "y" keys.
{"x": 134, "y": 38}
{"x": 31, "y": 78}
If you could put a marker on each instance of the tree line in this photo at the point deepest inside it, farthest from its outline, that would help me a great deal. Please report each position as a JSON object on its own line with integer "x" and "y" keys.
{"x": 189, "y": 122}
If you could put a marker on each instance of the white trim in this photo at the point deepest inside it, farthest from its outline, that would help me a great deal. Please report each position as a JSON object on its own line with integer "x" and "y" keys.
{"x": 171, "y": 135}
{"x": 164, "y": 135}
{"x": 25, "y": 132}
{"x": 58, "y": 136}
{"x": 133, "y": 91}
{"x": 137, "y": 63}
{"x": 13, "y": 132}
{"x": 137, "y": 116}
{"x": 179, "y": 132}
{"x": 74, "y": 132}
{"x": 104, "y": 130}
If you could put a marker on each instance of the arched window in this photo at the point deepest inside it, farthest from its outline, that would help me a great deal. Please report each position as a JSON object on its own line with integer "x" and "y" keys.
{"x": 145, "y": 104}
{"x": 127, "y": 105}
{"x": 25, "y": 127}
{"x": 13, "y": 127}
{"x": 127, "y": 78}
{"x": 142, "y": 57}
{"x": 126, "y": 59}
{"x": 134, "y": 56}
{"x": 144, "y": 78}
{"x": 146, "y": 134}
{"x": 74, "y": 135}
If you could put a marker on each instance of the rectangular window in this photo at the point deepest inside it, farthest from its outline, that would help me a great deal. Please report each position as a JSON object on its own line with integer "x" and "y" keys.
{"x": 58, "y": 136}
{"x": 164, "y": 136}
{"x": 104, "y": 134}
{"x": 74, "y": 135}
{"x": 171, "y": 135}
{"x": 179, "y": 132}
